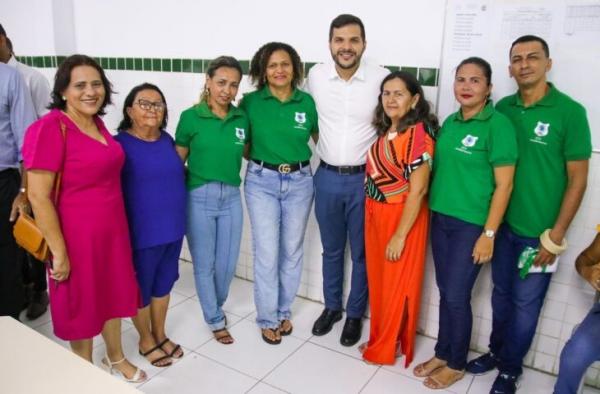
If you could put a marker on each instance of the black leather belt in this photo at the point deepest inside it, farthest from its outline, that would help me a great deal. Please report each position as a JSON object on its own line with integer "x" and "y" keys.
{"x": 344, "y": 170}
{"x": 284, "y": 168}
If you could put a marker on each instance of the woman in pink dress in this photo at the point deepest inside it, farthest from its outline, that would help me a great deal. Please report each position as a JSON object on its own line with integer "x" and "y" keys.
{"x": 92, "y": 278}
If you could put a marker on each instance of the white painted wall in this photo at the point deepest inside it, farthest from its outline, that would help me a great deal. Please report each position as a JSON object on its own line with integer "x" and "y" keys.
{"x": 401, "y": 33}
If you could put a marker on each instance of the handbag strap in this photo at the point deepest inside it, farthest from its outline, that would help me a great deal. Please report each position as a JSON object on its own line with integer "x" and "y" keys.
{"x": 57, "y": 180}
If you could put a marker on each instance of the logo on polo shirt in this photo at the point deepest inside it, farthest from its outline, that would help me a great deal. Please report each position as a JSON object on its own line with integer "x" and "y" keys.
{"x": 241, "y": 135}
{"x": 468, "y": 142}
{"x": 541, "y": 130}
{"x": 300, "y": 118}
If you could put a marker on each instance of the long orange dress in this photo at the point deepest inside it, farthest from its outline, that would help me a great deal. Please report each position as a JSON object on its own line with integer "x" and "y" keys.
{"x": 394, "y": 287}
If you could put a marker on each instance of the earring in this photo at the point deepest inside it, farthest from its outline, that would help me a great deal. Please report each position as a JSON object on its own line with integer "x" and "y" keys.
{"x": 64, "y": 98}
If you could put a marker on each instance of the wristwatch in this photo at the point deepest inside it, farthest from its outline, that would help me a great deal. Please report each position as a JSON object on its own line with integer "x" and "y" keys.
{"x": 489, "y": 233}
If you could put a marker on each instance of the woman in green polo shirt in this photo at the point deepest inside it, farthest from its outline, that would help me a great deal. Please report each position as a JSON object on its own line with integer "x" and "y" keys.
{"x": 278, "y": 185}
{"x": 473, "y": 170}
{"x": 211, "y": 137}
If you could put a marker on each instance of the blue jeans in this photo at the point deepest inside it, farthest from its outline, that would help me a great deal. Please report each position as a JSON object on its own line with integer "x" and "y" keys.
{"x": 340, "y": 212}
{"x": 516, "y": 302}
{"x": 579, "y": 353}
{"x": 214, "y": 232}
{"x": 278, "y": 206}
{"x": 452, "y": 243}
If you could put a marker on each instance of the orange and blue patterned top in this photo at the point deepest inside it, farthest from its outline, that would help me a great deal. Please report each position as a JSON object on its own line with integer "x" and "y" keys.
{"x": 391, "y": 161}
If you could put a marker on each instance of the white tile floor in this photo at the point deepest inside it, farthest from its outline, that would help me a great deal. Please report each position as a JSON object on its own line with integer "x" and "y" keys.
{"x": 302, "y": 363}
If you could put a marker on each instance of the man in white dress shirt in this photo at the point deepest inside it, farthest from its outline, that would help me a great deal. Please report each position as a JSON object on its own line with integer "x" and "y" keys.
{"x": 34, "y": 273}
{"x": 345, "y": 92}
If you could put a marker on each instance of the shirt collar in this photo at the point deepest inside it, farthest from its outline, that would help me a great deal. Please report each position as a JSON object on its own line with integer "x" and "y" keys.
{"x": 359, "y": 74}
{"x": 548, "y": 100}
{"x": 12, "y": 61}
{"x": 203, "y": 111}
{"x": 484, "y": 114}
{"x": 265, "y": 93}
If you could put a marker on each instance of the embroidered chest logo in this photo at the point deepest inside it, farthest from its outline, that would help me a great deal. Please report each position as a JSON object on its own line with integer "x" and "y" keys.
{"x": 240, "y": 134}
{"x": 300, "y": 118}
{"x": 541, "y": 130}
{"x": 468, "y": 142}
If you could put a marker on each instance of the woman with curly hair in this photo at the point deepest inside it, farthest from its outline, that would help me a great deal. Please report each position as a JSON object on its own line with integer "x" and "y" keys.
{"x": 278, "y": 185}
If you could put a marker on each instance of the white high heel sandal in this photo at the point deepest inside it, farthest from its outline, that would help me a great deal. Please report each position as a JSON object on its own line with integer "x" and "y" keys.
{"x": 138, "y": 377}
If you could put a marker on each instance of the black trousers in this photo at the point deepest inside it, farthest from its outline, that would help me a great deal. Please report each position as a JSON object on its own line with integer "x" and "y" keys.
{"x": 34, "y": 272}
{"x": 11, "y": 282}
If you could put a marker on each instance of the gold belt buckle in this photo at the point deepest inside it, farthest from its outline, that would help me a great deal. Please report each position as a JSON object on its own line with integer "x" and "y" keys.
{"x": 284, "y": 168}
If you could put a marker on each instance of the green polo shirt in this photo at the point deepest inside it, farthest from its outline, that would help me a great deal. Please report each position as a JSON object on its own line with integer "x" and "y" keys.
{"x": 280, "y": 130}
{"x": 215, "y": 145}
{"x": 550, "y": 133}
{"x": 466, "y": 153}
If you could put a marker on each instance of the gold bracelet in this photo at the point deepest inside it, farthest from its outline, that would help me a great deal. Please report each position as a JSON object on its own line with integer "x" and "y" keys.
{"x": 550, "y": 246}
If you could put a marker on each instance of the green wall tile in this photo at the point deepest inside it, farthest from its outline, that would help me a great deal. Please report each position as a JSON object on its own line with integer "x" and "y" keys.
{"x": 54, "y": 62}
{"x": 197, "y": 65}
{"x": 147, "y": 64}
{"x": 410, "y": 70}
{"x": 166, "y": 65}
{"x": 112, "y": 63}
{"x": 138, "y": 64}
{"x": 245, "y": 66}
{"x": 120, "y": 63}
{"x": 428, "y": 76}
{"x": 38, "y": 61}
{"x": 129, "y": 63}
{"x": 392, "y": 68}
{"x": 176, "y": 63}
{"x": 186, "y": 65}
{"x": 156, "y": 65}
{"x": 104, "y": 62}
{"x": 307, "y": 67}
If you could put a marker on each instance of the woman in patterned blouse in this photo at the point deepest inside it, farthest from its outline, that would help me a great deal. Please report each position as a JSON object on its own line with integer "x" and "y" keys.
{"x": 397, "y": 216}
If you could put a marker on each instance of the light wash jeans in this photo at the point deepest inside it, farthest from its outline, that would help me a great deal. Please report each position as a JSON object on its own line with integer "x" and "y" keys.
{"x": 278, "y": 206}
{"x": 214, "y": 232}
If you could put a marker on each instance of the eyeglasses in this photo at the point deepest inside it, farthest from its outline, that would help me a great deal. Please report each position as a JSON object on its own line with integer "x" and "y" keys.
{"x": 148, "y": 105}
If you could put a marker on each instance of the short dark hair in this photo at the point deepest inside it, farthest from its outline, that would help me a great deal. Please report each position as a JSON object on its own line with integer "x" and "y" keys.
{"x": 530, "y": 38}
{"x": 345, "y": 20}
{"x": 260, "y": 60}
{"x": 479, "y": 62}
{"x": 421, "y": 112}
{"x": 126, "y": 121}
{"x": 2, "y": 31}
{"x": 62, "y": 79}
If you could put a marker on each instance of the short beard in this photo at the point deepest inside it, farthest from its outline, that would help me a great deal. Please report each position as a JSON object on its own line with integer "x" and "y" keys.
{"x": 347, "y": 66}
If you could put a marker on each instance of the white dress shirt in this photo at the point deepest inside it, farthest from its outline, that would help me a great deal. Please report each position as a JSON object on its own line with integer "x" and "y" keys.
{"x": 37, "y": 85}
{"x": 345, "y": 110}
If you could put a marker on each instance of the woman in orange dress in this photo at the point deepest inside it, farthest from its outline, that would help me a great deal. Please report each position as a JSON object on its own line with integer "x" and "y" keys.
{"x": 397, "y": 216}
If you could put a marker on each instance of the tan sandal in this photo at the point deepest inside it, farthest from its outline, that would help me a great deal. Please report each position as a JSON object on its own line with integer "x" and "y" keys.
{"x": 285, "y": 327}
{"x": 435, "y": 382}
{"x": 425, "y": 369}
{"x": 223, "y": 336}
{"x": 272, "y": 336}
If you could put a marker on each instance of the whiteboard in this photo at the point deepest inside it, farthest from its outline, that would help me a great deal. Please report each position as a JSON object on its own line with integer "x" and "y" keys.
{"x": 487, "y": 29}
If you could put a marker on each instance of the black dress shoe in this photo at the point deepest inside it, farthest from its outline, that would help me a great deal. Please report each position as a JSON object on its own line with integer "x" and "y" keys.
{"x": 38, "y": 305}
{"x": 325, "y": 322}
{"x": 351, "y": 332}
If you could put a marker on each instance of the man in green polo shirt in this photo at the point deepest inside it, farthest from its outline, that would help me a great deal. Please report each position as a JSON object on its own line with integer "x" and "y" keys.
{"x": 554, "y": 142}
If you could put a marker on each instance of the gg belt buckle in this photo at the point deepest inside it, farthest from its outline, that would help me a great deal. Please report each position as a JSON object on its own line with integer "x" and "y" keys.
{"x": 284, "y": 168}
